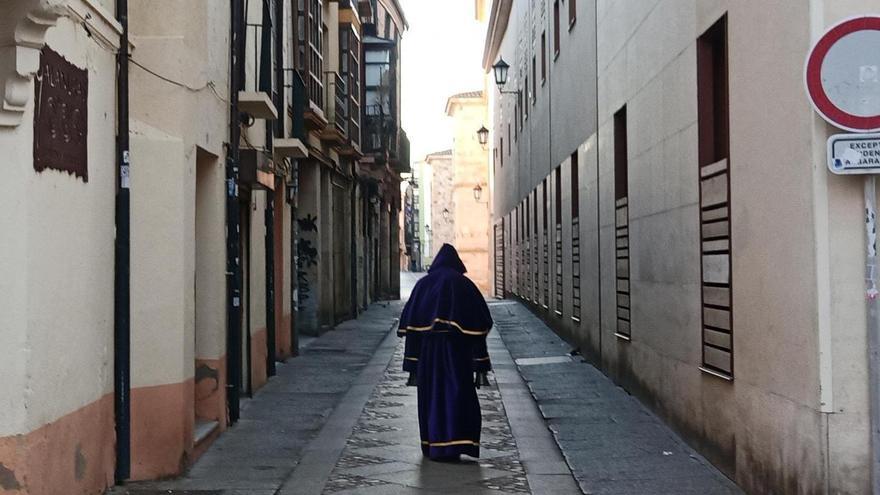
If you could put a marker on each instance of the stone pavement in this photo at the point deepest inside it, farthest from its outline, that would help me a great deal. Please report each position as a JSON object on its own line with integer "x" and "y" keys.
{"x": 258, "y": 454}
{"x": 340, "y": 420}
{"x": 612, "y": 443}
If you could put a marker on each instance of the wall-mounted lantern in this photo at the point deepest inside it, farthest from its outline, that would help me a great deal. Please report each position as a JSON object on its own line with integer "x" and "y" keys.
{"x": 500, "y": 69}
{"x": 483, "y": 135}
{"x": 478, "y": 193}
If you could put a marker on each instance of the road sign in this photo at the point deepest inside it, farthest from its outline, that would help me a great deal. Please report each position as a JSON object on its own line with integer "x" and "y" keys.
{"x": 842, "y": 74}
{"x": 850, "y": 154}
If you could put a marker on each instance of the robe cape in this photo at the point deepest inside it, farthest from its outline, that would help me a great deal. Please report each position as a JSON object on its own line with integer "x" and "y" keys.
{"x": 445, "y": 323}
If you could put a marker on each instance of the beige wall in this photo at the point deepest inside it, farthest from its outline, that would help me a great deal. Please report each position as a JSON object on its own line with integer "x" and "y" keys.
{"x": 57, "y": 280}
{"x": 65, "y": 226}
{"x": 765, "y": 427}
{"x": 443, "y": 231}
{"x": 470, "y": 164}
{"x": 171, "y": 124}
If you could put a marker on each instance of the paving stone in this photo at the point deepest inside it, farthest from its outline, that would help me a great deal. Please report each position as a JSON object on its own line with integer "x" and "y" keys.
{"x": 611, "y": 442}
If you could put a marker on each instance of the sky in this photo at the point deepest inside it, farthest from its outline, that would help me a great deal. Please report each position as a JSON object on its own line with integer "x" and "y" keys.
{"x": 442, "y": 55}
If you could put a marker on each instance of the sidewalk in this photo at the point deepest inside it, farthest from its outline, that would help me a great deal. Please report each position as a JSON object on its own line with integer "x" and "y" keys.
{"x": 258, "y": 454}
{"x": 612, "y": 443}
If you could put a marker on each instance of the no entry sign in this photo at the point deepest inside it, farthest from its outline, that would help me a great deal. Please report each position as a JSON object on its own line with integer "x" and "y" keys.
{"x": 843, "y": 74}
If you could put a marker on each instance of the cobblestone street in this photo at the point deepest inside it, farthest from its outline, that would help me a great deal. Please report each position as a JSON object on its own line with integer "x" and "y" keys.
{"x": 355, "y": 430}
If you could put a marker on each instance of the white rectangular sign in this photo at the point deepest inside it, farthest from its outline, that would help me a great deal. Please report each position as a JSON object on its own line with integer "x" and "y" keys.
{"x": 854, "y": 154}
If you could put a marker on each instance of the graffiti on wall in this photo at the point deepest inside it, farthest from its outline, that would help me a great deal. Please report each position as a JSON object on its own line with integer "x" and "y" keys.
{"x": 307, "y": 257}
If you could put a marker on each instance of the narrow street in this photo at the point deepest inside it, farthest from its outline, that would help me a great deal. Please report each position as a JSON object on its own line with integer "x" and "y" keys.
{"x": 340, "y": 419}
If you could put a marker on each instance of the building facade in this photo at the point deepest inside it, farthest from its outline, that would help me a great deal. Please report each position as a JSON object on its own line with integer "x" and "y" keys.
{"x": 470, "y": 185}
{"x": 228, "y": 141}
{"x": 663, "y": 203}
{"x": 440, "y": 215}
{"x": 56, "y": 429}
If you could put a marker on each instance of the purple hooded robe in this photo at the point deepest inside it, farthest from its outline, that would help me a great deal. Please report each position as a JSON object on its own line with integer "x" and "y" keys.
{"x": 445, "y": 323}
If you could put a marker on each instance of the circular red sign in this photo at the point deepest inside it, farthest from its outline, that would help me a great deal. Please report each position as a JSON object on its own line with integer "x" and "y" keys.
{"x": 814, "y": 80}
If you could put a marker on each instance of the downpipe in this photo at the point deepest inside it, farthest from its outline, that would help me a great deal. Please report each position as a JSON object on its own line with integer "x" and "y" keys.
{"x": 233, "y": 219}
{"x": 122, "y": 261}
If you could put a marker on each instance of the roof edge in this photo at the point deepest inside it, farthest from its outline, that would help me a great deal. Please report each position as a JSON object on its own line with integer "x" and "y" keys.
{"x": 498, "y": 21}
{"x": 469, "y": 95}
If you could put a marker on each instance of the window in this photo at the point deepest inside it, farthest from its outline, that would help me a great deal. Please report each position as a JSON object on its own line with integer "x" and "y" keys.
{"x": 349, "y": 60}
{"x": 508, "y": 139}
{"x": 575, "y": 241}
{"x": 545, "y": 244}
{"x": 534, "y": 79}
{"x": 714, "y": 175}
{"x": 557, "y": 241}
{"x": 499, "y": 258}
{"x": 555, "y": 28}
{"x": 519, "y": 106}
{"x": 502, "y": 152}
{"x": 310, "y": 48}
{"x": 536, "y": 279}
{"x": 526, "y": 89}
{"x": 543, "y": 58}
{"x": 575, "y": 188}
{"x": 572, "y": 13}
{"x": 516, "y": 118}
{"x": 621, "y": 224}
{"x": 527, "y": 260}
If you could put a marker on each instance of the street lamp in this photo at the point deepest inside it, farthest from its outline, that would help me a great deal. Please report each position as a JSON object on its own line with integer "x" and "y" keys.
{"x": 478, "y": 193}
{"x": 483, "y": 135}
{"x": 446, "y": 214}
{"x": 500, "y": 69}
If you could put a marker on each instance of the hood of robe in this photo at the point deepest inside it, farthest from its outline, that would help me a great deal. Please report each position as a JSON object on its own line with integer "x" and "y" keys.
{"x": 446, "y": 300}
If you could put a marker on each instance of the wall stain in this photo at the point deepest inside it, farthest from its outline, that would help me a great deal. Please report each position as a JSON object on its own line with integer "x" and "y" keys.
{"x": 205, "y": 372}
{"x": 8, "y": 481}
{"x": 79, "y": 463}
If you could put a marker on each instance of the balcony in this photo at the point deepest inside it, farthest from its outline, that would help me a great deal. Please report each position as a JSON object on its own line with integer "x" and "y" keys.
{"x": 399, "y": 153}
{"x": 335, "y": 131}
{"x": 257, "y": 104}
{"x": 314, "y": 113}
{"x": 256, "y": 169}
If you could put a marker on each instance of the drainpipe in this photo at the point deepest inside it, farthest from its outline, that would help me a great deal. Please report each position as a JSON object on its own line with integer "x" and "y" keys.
{"x": 270, "y": 27}
{"x": 598, "y": 188}
{"x": 353, "y": 304}
{"x": 122, "y": 280}
{"x": 233, "y": 220}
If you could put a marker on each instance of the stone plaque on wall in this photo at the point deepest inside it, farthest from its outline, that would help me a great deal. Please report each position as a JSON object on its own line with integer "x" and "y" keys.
{"x": 61, "y": 116}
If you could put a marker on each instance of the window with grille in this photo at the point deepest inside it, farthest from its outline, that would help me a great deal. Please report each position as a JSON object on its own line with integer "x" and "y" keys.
{"x": 545, "y": 245}
{"x": 575, "y": 241}
{"x": 621, "y": 223}
{"x": 714, "y": 176}
{"x": 536, "y": 252}
{"x": 499, "y": 259}
{"x": 518, "y": 282}
{"x": 557, "y": 241}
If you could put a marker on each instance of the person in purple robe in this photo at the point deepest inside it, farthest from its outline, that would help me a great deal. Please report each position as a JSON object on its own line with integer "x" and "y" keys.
{"x": 445, "y": 322}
